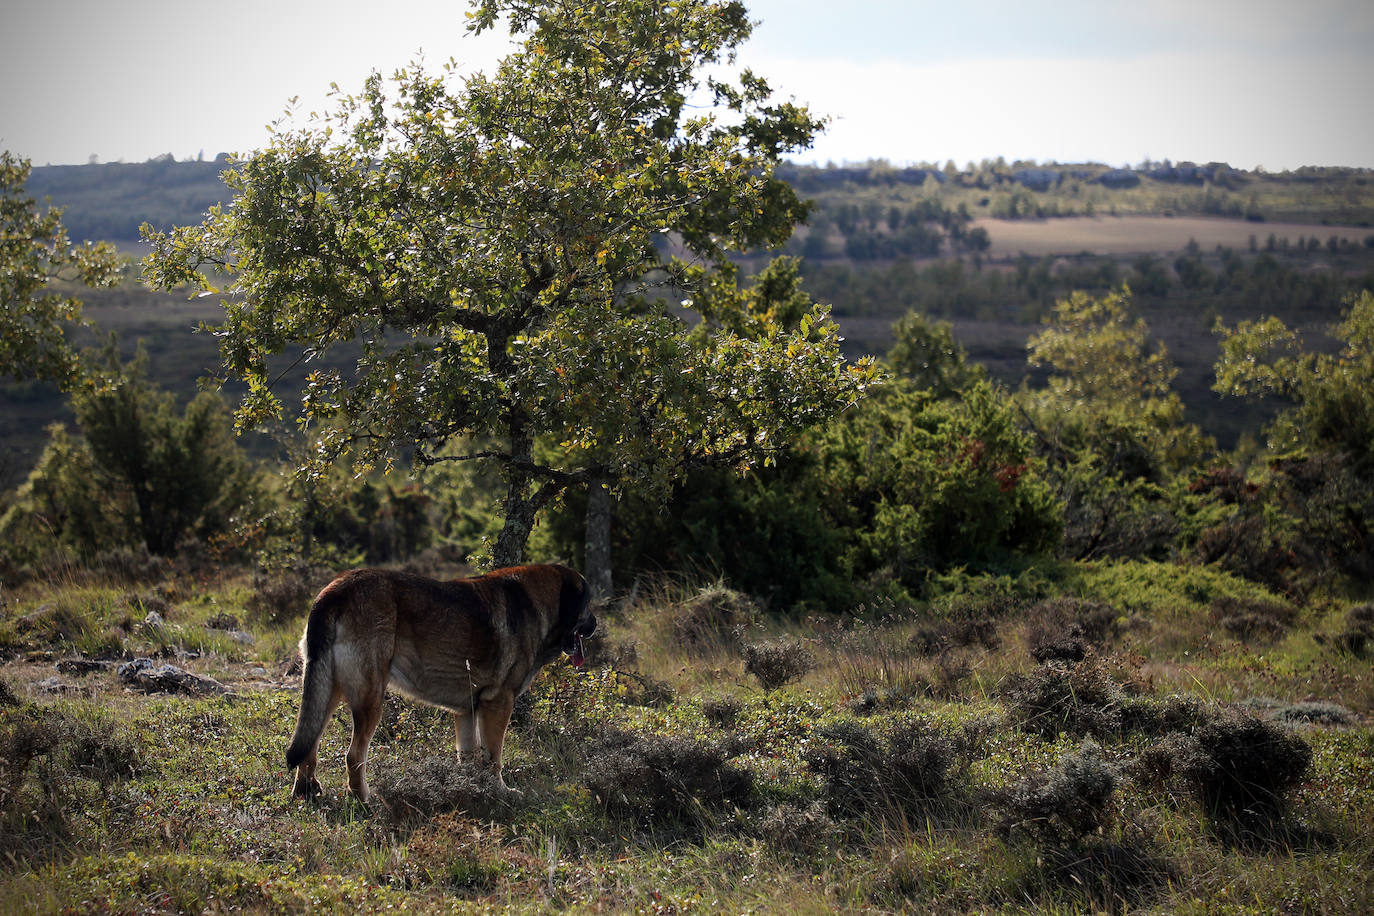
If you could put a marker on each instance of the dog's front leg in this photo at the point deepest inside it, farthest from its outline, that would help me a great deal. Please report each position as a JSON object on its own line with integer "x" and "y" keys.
{"x": 493, "y": 719}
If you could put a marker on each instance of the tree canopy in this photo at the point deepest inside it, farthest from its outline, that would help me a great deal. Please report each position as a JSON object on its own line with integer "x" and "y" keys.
{"x": 536, "y": 261}
{"x": 35, "y": 252}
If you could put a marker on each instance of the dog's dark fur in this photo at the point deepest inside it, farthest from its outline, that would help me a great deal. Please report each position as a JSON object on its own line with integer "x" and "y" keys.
{"x": 470, "y": 646}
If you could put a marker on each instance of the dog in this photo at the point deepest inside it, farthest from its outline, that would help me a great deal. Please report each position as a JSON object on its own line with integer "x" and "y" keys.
{"x": 470, "y": 646}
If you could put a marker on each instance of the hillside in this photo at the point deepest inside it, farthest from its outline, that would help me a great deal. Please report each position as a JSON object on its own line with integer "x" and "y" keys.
{"x": 988, "y": 247}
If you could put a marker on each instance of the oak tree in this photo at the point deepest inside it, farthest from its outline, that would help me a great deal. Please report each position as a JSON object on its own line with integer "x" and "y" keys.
{"x": 535, "y": 263}
{"x": 35, "y": 252}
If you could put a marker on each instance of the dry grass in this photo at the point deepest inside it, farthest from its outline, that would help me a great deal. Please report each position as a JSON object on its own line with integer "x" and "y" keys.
{"x": 1126, "y": 235}
{"x": 876, "y": 782}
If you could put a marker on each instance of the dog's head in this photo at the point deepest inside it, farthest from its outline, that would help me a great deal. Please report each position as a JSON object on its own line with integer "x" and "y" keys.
{"x": 577, "y": 610}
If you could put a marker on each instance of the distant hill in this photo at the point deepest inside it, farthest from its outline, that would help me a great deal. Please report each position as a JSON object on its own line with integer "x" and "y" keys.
{"x": 988, "y": 246}
{"x": 109, "y": 201}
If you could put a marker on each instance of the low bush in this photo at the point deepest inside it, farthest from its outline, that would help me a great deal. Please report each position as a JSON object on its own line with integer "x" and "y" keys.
{"x": 661, "y": 780}
{"x": 792, "y": 828}
{"x": 1064, "y": 805}
{"x": 1065, "y": 629}
{"x": 722, "y": 711}
{"x": 1358, "y": 634}
{"x": 1155, "y": 717}
{"x": 1253, "y": 619}
{"x": 935, "y": 638}
{"x": 1078, "y": 699}
{"x": 1242, "y": 768}
{"x": 778, "y": 663}
{"x": 910, "y": 767}
{"x": 713, "y": 618}
{"x": 433, "y": 786}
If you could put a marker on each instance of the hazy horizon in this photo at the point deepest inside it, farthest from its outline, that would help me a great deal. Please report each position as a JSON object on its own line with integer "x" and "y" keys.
{"x": 1258, "y": 83}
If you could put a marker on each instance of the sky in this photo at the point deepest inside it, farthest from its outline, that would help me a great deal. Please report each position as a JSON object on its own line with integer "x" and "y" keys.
{"x": 1268, "y": 83}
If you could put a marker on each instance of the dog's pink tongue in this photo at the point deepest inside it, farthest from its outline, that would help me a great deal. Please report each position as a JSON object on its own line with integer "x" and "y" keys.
{"x": 577, "y": 660}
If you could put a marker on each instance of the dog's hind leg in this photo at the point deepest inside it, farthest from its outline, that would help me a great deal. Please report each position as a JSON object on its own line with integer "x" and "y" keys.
{"x": 306, "y": 784}
{"x": 366, "y": 716}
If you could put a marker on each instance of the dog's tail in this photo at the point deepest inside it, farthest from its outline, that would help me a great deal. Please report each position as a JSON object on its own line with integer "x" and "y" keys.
{"x": 317, "y": 686}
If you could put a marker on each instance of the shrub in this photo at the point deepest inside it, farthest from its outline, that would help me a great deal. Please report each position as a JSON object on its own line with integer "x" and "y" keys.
{"x": 934, "y": 638}
{"x": 662, "y": 779}
{"x": 796, "y": 829}
{"x": 910, "y": 767}
{"x": 283, "y": 596}
{"x": 778, "y": 663}
{"x": 25, "y": 736}
{"x": 722, "y": 712}
{"x": 94, "y": 751}
{"x": 1241, "y": 769}
{"x": 1079, "y": 699}
{"x": 1252, "y": 619}
{"x": 1064, "y": 805}
{"x": 712, "y": 618}
{"x": 1359, "y": 630}
{"x": 441, "y": 785}
{"x": 1158, "y": 717}
{"x": 1064, "y": 629}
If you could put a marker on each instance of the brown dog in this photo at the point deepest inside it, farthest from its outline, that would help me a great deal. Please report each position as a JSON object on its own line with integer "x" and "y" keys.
{"x": 470, "y": 646}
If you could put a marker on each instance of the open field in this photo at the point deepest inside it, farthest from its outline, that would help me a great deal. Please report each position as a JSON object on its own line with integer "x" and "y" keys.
{"x": 1037, "y": 743}
{"x": 1127, "y": 235}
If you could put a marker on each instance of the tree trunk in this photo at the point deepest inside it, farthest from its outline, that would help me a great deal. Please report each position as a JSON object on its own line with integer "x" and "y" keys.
{"x": 520, "y": 508}
{"x": 598, "y": 553}
{"x": 509, "y": 549}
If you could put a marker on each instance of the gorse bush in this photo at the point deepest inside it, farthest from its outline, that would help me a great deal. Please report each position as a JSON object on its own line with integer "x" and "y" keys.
{"x": 924, "y": 483}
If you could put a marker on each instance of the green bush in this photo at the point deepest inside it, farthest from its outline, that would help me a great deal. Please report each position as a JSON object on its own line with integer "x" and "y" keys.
{"x": 143, "y": 475}
{"x": 663, "y": 780}
{"x": 921, "y": 484}
{"x": 910, "y": 767}
{"x": 1064, "y": 805}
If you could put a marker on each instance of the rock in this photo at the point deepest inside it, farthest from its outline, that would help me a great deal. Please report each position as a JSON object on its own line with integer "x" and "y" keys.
{"x": 146, "y": 674}
{"x": 154, "y": 621}
{"x": 53, "y": 684}
{"x": 81, "y": 666}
